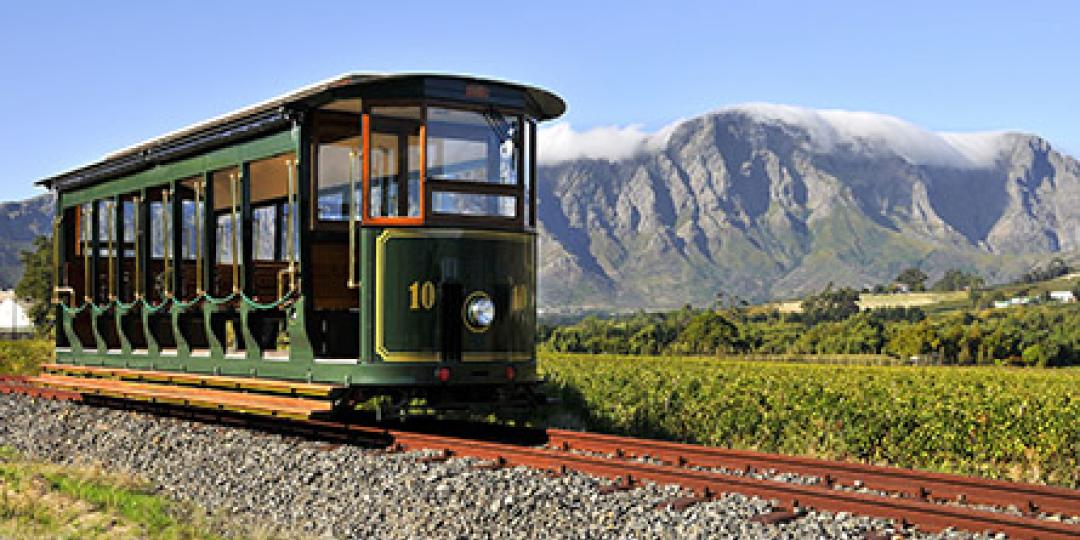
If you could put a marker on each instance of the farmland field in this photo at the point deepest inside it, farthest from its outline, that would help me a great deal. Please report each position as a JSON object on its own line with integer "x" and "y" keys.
{"x": 877, "y": 301}
{"x": 1018, "y": 424}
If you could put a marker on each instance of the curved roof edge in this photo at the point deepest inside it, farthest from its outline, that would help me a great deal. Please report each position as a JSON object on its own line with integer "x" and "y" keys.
{"x": 266, "y": 116}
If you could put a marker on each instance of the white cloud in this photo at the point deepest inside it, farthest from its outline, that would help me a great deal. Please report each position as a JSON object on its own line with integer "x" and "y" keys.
{"x": 559, "y": 142}
{"x": 879, "y": 132}
{"x": 828, "y": 128}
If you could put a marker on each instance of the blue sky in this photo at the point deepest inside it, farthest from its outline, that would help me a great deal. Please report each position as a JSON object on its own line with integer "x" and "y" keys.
{"x": 81, "y": 80}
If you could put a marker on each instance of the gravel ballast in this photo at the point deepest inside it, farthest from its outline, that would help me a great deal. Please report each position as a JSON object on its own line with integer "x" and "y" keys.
{"x": 319, "y": 490}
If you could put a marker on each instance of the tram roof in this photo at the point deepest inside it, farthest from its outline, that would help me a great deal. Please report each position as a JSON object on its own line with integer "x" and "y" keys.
{"x": 276, "y": 113}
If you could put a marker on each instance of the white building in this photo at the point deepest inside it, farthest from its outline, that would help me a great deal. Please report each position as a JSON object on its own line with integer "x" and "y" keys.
{"x": 1063, "y": 296}
{"x": 13, "y": 320}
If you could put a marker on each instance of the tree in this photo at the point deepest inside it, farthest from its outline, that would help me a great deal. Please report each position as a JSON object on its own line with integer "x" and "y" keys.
{"x": 1055, "y": 268}
{"x": 36, "y": 282}
{"x": 914, "y": 278}
{"x": 955, "y": 280}
{"x": 830, "y": 305}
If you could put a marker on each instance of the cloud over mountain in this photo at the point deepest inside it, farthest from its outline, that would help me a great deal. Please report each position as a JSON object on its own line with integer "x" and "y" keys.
{"x": 827, "y": 129}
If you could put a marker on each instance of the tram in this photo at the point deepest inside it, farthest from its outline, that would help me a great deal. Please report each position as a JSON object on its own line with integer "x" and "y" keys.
{"x": 376, "y": 232}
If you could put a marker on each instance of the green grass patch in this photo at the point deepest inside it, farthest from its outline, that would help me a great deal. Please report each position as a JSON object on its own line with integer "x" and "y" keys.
{"x": 24, "y": 357}
{"x": 987, "y": 421}
{"x": 40, "y": 500}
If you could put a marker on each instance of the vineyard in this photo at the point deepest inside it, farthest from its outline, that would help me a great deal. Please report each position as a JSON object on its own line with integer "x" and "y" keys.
{"x": 987, "y": 421}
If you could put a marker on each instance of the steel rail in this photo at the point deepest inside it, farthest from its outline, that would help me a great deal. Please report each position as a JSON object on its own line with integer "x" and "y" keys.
{"x": 927, "y": 515}
{"x": 17, "y": 384}
{"x": 916, "y": 484}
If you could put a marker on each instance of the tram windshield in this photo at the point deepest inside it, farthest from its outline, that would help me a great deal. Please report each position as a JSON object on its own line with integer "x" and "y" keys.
{"x": 473, "y": 147}
{"x": 439, "y": 164}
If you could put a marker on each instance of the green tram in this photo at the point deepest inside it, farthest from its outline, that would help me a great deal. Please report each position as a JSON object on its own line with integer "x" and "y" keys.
{"x": 372, "y": 231}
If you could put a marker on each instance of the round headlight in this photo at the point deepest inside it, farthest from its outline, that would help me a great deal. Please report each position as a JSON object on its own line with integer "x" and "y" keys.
{"x": 479, "y": 312}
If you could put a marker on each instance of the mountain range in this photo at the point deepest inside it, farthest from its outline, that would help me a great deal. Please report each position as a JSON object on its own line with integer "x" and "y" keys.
{"x": 765, "y": 201}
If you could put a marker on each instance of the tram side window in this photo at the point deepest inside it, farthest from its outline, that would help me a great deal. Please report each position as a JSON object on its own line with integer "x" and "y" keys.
{"x": 227, "y": 195}
{"x": 129, "y": 227}
{"x": 160, "y": 227}
{"x": 191, "y": 240}
{"x": 105, "y": 247}
{"x": 191, "y": 222}
{"x": 270, "y": 208}
{"x": 338, "y": 168}
{"x": 394, "y": 162}
{"x": 85, "y": 229}
{"x": 84, "y": 249}
{"x": 127, "y": 251}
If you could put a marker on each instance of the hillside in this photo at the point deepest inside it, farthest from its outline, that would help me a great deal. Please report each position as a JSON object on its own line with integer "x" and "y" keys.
{"x": 20, "y": 223}
{"x": 767, "y": 201}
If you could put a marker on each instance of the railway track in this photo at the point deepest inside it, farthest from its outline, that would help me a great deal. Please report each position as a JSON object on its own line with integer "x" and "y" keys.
{"x": 931, "y": 501}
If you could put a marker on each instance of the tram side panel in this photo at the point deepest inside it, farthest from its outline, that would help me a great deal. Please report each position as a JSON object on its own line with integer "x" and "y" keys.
{"x": 424, "y": 281}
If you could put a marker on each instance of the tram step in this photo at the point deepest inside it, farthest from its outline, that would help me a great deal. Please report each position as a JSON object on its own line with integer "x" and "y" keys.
{"x": 292, "y": 388}
{"x": 288, "y": 407}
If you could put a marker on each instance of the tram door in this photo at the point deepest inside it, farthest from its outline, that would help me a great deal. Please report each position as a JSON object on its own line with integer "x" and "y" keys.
{"x": 335, "y": 251}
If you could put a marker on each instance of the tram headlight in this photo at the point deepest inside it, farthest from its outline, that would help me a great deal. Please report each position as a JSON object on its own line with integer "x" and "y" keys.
{"x": 479, "y": 312}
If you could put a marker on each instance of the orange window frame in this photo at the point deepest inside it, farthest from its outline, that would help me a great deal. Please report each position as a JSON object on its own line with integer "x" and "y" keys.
{"x": 367, "y": 218}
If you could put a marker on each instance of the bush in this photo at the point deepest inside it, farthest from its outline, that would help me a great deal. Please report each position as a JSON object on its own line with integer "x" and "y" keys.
{"x": 24, "y": 357}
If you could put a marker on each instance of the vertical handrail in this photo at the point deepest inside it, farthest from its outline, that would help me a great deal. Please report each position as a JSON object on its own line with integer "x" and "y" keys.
{"x": 198, "y": 238}
{"x": 86, "y": 243}
{"x": 112, "y": 249}
{"x": 166, "y": 234}
{"x": 56, "y": 253}
{"x": 233, "y": 185}
{"x": 291, "y": 241}
{"x": 352, "y": 283}
{"x": 57, "y": 288}
{"x": 136, "y": 291}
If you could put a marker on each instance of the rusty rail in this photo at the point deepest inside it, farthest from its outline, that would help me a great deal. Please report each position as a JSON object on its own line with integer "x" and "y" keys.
{"x": 927, "y": 515}
{"x": 17, "y": 384}
{"x": 910, "y": 483}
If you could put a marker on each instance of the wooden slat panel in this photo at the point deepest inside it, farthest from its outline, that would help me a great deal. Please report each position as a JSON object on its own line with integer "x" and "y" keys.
{"x": 196, "y": 397}
{"x": 331, "y": 275}
{"x": 218, "y": 381}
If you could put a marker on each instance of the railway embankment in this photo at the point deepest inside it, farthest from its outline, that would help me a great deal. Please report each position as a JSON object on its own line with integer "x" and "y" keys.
{"x": 343, "y": 491}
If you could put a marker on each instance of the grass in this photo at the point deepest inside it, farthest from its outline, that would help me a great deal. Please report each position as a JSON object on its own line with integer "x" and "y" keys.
{"x": 40, "y": 500}
{"x": 24, "y": 357}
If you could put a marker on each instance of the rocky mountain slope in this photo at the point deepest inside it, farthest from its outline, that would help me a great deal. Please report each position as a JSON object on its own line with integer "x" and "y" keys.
{"x": 767, "y": 201}
{"x": 20, "y": 223}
